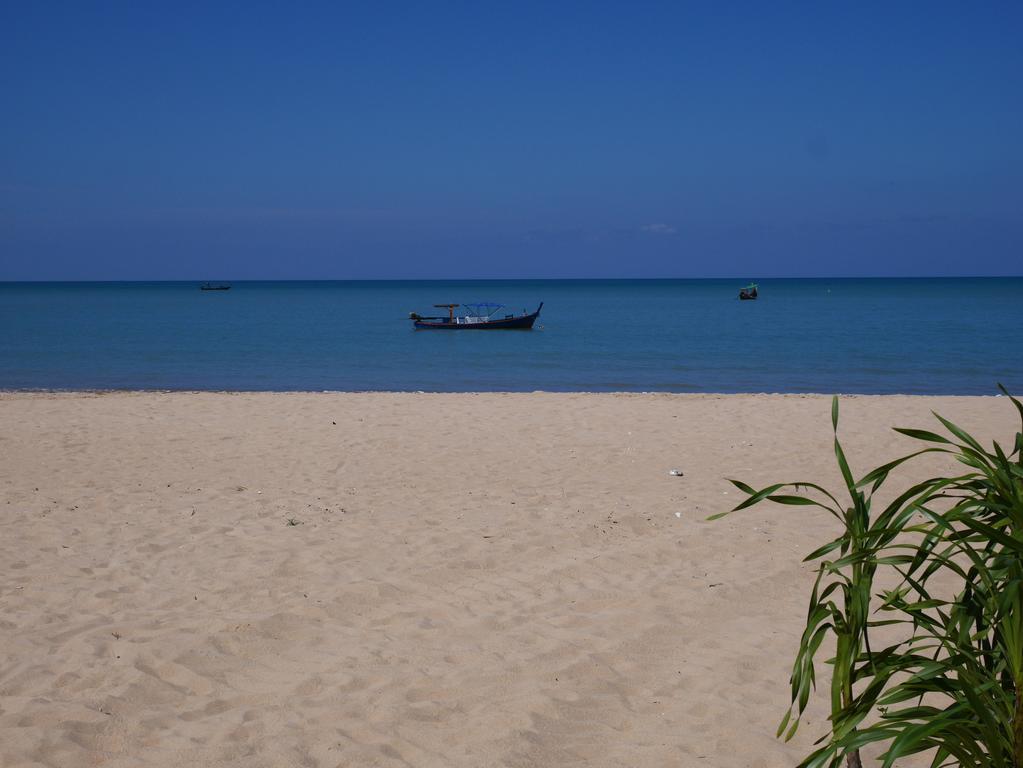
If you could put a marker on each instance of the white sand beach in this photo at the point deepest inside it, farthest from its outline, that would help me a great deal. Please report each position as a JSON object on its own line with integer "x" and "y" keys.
{"x": 199, "y": 579}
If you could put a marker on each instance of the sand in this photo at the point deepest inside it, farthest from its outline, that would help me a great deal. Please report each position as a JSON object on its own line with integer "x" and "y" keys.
{"x": 414, "y": 580}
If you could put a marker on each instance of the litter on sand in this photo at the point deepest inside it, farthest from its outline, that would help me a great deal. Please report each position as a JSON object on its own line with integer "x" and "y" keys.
{"x": 676, "y": 473}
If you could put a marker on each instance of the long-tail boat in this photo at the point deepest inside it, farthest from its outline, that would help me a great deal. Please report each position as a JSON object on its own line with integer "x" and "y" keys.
{"x": 478, "y": 317}
{"x": 748, "y": 293}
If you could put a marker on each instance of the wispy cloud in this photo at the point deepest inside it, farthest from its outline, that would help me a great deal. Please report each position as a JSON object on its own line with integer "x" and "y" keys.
{"x": 658, "y": 229}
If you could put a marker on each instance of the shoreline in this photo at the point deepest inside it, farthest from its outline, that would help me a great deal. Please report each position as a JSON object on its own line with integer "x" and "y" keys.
{"x": 388, "y": 579}
{"x": 613, "y": 393}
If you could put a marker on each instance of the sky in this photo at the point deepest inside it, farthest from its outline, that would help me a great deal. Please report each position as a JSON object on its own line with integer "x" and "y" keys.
{"x": 420, "y": 140}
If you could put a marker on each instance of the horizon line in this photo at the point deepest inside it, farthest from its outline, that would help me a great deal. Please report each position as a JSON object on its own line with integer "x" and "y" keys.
{"x": 500, "y": 279}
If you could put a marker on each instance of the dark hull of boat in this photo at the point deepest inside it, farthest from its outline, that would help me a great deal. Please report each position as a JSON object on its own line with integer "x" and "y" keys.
{"x": 520, "y": 323}
{"x": 215, "y": 288}
{"x": 746, "y": 297}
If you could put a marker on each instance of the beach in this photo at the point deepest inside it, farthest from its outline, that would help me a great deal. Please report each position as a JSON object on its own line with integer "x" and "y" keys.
{"x": 388, "y": 579}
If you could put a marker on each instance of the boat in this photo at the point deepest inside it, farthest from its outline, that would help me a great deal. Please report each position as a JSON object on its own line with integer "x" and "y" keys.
{"x": 748, "y": 293}
{"x": 482, "y": 316}
{"x": 211, "y": 287}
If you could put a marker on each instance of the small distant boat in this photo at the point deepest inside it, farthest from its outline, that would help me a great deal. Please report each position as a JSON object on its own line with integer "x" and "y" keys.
{"x": 478, "y": 317}
{"x": 748, "y": 293}
{"x": 211, "y": 287}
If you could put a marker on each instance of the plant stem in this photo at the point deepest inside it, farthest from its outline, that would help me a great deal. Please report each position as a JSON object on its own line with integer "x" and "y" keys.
{"x": 852, "y": 759}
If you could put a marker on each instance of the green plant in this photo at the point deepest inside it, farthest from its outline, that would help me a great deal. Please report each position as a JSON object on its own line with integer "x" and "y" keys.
{"x": 952, "y": 682}
{"x": 955, "y": 686}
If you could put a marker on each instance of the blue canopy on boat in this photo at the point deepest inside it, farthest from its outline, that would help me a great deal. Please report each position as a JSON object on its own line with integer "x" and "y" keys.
{"x": 484, "y": 307}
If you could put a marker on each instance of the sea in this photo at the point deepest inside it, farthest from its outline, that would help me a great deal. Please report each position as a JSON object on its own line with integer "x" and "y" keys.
{"x": 912, "y": 336}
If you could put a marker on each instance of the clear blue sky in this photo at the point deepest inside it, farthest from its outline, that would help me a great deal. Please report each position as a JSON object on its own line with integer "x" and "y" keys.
{"x": 386, "y": 140}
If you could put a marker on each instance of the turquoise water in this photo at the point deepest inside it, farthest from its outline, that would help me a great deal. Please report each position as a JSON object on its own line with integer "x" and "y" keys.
{"x": 938, "y": 336}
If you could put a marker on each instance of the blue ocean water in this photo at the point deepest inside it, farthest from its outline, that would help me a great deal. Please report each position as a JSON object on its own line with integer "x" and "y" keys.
{"x": 935, "y": 336}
